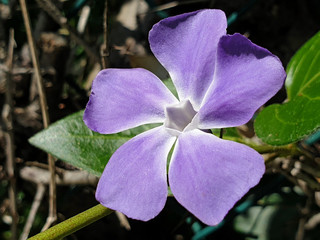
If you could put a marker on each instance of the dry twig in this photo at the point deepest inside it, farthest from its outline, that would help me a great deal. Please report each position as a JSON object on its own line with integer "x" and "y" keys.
{"x": 303, "y": 219}
{"x": 33, "y": 211}
{"x": 313, "y": 171}
{"x": 9, "y": 137}
{"x": 42, "y": 176}
{"x": 311, "y": 181}
{"x": 45, "y": 116}
{"x": 312, "y": 222}
{"x": 104, "y": 53}
{"x": 123, "y": 220}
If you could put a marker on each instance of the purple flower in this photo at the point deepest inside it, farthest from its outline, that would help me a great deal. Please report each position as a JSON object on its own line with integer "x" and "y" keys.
{"x": 221, "y": 81}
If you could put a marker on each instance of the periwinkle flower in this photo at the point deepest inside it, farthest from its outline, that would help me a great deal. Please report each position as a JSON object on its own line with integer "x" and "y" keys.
{"x": 221, "y": 81}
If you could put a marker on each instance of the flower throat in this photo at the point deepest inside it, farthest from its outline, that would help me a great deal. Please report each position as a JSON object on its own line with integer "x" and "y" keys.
{"x": 179, "y": 117}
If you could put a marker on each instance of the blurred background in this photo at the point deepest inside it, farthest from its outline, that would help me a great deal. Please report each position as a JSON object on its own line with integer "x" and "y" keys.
{"x": 74, "y": 42}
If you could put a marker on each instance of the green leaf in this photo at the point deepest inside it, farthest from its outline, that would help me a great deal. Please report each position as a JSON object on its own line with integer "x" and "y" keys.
{"x": 72, "y": 141}
{"x": 284, "y": 124}
{"x": 229, "y": 133}
{"x": 168, "y": 82}
{"x": 304, "y": 67}
{"x": 299, "y": 116}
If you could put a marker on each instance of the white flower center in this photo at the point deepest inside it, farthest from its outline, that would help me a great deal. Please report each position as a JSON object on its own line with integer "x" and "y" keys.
{"x": 179, "y": 118}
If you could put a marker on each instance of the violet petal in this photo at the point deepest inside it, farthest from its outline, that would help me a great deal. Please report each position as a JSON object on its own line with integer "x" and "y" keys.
{"x": 126, "y": 98}
{"x": 134, "y": 181}
{"x": 246, "y": 76}
{"x": 208, "y": 175}
{"x": 186, "y": 46}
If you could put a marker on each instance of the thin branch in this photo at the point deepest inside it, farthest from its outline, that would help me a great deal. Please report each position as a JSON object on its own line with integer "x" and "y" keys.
{"x": 312, "y": 182}
{"x": 59, "y": 171}
{"x": 42, "y": 176}
{"x": 104, "y": 53}
{"x": 221, "y": 133}
{"x": 9, "y": 136}
{"x": 284, "y": 166}
{"x": 36, "y": 65}
{"x": 307, "y": 168}
{"x": 52, "y": 195}
{"x": 33, "y": 211}
{"x": 83, "y": 19}
{"x": 45, "y": 115}
{"x": 50, "y": 8}
{"x": 123, "y": 220}
{"x": 303, "y": 219}
{"x": 301, "y": 228}
{"x": 312, "y": 222}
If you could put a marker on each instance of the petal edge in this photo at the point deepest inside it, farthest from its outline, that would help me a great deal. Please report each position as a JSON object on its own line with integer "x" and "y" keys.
{"x": 246, "y": 77}
{"x": 125, "y": 98}
{"x": 186, "y": 46}
{"x": 134, "y": 181}
{"x": 208, "y": 175}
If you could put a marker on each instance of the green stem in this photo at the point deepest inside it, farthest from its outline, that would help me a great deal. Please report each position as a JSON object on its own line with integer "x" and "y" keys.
{"x": 73, "y": 224}
{"x": 290, "y": 149}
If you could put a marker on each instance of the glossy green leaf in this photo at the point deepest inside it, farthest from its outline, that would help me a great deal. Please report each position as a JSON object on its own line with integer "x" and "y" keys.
{"x": 73, "y": 142}
{"x": 304, "y": 67}
{"x": 287, "y": 123}
{"x": 281, "y": 124}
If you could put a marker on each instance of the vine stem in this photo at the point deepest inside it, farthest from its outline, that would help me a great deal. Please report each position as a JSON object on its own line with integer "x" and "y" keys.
{"x": 290, "y": 149}
{"x": 74, "y": 224}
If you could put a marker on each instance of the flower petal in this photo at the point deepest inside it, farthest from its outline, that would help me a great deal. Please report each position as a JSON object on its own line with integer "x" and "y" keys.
{"x": 246, "y": 76}
{"x": 208, "y": 175}
{"x": 134, "y": 181}
{"x": 186, "y": 46}
{"x": 126, "y": 98}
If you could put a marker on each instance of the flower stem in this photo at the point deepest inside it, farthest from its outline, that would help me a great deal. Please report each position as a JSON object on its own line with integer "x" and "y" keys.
{"x": 74, "y": 224}
{"x": 290, "y": 149}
